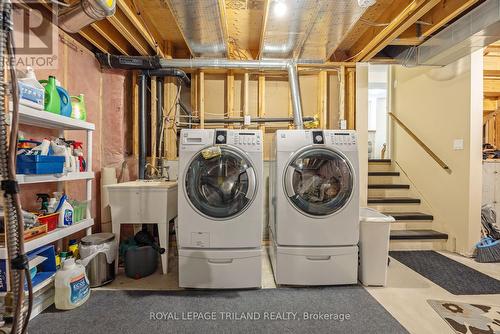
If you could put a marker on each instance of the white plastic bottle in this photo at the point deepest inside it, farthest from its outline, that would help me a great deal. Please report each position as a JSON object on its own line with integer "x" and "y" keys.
{"x": 71, "y": 285}
{"x": 66, "y": 212}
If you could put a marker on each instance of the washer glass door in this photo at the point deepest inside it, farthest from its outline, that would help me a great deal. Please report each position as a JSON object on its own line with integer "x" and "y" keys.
{"x": 220, "y": 185}
{"x": 319, "y": 181}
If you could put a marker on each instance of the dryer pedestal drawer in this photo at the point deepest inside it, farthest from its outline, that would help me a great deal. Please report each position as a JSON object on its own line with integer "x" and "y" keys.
{"x": 220, "y": 269}
{"x": 315, "y": 265}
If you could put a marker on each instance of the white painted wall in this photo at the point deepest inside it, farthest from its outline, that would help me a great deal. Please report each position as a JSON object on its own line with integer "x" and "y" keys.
{"x": 440, "y": 105}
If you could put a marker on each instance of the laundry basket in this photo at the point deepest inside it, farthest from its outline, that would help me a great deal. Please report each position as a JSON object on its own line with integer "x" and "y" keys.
{"x": 375, "y": 229}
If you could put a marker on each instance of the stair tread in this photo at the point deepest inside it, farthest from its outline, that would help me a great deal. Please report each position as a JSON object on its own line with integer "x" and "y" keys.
{"x": 417, "y": 235}
{"x": 383, "y": 173}
{"x": 409, "y": 216}
{"x": 380, "y": 160}
{"x": 395, "y": 200}
{"x": 388, "y": 186}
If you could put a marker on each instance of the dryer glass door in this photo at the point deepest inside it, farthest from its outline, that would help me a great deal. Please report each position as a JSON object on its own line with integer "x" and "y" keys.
{"x": 220, "y": 185}
{"x": 319, "y": 181}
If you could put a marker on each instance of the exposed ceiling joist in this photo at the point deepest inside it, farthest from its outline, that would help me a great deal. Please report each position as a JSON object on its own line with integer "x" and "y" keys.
{"x": 96, "y": 39}
{"x": 131, "y": 33}
{"x": 115, "y": 37}
{"x": 400, "y": 19}
{"x": 437, "y": 18}
{"x": 137, "y": 21}
{"x": 490, "y": 105}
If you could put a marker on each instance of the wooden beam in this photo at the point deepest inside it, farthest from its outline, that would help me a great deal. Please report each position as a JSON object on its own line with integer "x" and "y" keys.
{"x": 341, "y": 94}
{"x": 374, "y": 40}
{"x": 267, "y": 3}
{"x": 261, "y": 108}
{"x": 194, "y": 93}
{"x": 230, "y": 96}
{"x": 351, "y": 99}
{"x": 323, "y": 99}
{"x": 135, "y": 115}
{"x": 139, "y": 24}
{"x": 246, "y": 84}
{"x": 115, "y": 37}
{"x": 491, "y": 87}
{"x": 201, "y": 98}
{"x": 96, "y": 39}
{"x": 490, "y": 105}
{"x": 121, "y": 22}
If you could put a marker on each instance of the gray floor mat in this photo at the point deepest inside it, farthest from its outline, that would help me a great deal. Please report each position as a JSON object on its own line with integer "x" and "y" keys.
{"x": 451, "y": 275}
{"x": 132, "y": 312}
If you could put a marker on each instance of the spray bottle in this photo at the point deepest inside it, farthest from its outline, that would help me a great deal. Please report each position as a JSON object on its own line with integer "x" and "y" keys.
{"x": 81, "y": 165}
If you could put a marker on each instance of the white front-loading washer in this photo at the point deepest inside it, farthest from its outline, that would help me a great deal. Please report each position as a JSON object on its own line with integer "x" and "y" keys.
{"x": 314, "y": 207}
{"x": 220, "y": 208}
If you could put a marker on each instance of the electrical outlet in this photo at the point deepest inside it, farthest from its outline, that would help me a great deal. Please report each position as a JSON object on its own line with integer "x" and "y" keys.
{"x": 458, "y": 144}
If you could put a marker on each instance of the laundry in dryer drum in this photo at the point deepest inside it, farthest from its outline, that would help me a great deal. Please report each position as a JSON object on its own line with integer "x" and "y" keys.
{"x": 211, "y": 152}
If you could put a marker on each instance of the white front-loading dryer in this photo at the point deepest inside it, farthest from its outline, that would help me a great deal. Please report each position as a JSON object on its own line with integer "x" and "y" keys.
{"x": 314, "y": 207}
{"x": 315, "y": 192}
{"x": 220, "y": 208}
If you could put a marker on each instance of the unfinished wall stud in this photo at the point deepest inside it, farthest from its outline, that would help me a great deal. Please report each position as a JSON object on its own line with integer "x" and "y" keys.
{"x": 322, "y": 99}
{"x": 154, "y": 122}
{"x": 230, "y": 96}
{"x": 201, "y": 99}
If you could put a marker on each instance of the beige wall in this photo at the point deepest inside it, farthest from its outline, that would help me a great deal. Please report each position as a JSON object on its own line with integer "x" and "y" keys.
{"x": 440, "y": 105}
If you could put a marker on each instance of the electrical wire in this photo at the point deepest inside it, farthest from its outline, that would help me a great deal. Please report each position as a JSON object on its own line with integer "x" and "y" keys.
{"x": 14, "y": 223}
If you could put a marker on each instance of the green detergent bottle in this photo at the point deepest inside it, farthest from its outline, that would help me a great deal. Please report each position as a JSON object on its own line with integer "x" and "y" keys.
{"x": 52, "y": 101}
{"x": 79, "y": 111}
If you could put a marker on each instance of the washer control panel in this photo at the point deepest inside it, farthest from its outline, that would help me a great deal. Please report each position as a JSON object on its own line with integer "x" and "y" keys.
{"x": 247, "y": 140}
{"x": 341, "y": 138}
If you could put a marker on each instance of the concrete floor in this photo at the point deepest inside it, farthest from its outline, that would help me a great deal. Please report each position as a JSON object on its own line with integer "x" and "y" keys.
{"x": 405, "y": 295}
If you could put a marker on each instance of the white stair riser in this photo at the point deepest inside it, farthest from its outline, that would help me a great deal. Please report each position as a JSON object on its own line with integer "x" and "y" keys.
{"x": 383, "y": 179}
{"x": 379, "y": 166}
{"x": 396, "y": 245}
{"x": 397, "y": 207}
{"x": 390, "y": 193}
{"x": 421, "y": 225}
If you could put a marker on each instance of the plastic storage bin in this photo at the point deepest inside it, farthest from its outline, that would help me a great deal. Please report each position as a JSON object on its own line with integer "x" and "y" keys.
{"x": 39, "y": 164}
{"x": 50, "y": 220}
{"x": 374, "y": 235}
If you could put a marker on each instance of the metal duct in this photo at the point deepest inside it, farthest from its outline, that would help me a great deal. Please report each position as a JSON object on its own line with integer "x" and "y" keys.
{"x": 475, "y": 30}
{"x": 308, "y": 29}
{"x": 201, "y": 24}
{"x": 261, "y": 65}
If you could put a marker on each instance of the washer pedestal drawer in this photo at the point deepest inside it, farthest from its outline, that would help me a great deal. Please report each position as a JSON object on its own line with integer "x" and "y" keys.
{"x": 220, "y": 269}
{"x": 315, "y": 265}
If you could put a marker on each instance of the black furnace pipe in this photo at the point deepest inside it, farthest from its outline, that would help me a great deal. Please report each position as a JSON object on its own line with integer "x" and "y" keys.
{"x": 142, "y": 126}
{"x": 170, "y": 72}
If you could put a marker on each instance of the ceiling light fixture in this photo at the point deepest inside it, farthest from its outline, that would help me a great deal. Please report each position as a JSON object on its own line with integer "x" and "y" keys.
{"x": 279, "y": 8}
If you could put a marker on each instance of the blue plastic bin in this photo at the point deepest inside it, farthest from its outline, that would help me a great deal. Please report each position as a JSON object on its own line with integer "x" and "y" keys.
{"x": 39, "y": 164}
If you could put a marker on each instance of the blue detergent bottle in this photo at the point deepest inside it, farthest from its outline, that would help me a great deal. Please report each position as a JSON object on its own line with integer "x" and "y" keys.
{"x": 66, "y": 108}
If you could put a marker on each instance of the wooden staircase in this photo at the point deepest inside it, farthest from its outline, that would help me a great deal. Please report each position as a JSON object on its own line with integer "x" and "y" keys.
{"x": 390, "y": 194}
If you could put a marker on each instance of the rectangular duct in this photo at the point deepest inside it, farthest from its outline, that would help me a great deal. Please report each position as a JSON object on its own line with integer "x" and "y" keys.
{"x": 477, "y": 29}
{"x": 201, "y": 24}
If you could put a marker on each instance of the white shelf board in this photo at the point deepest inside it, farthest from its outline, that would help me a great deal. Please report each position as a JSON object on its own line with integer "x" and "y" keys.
{"x": 52, "y": 236}
{"x": 45, "y": 119}
{"x": 42, "y": 178}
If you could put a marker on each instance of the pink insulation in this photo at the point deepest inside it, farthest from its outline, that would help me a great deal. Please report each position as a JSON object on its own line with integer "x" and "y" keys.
{"x": 105, "y": 100}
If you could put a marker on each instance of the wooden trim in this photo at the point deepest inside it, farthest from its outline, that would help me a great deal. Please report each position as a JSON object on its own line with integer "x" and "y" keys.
{"x": 421, "y": 143}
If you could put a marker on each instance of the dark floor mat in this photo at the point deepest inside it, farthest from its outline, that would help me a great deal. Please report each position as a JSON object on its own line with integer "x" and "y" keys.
{"x": 152, "y": 312}
{"x": 451, "y": 275}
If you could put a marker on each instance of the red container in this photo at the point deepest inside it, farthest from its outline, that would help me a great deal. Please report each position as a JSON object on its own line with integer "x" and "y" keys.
{"x": 50, "y": 220}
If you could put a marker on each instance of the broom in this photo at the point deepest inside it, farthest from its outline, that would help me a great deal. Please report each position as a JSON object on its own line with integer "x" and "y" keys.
{"x": 488, "y": 249}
